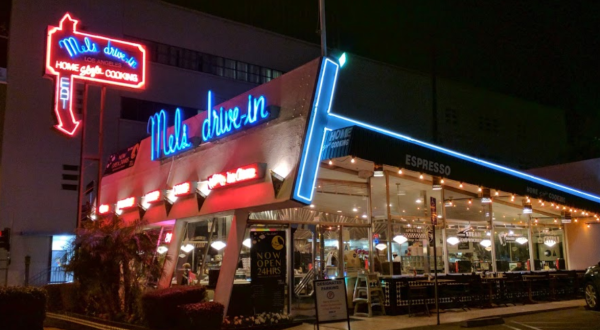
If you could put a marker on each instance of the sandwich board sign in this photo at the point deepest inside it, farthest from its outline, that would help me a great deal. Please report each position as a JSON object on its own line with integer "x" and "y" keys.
{"x": 330, "y": 301}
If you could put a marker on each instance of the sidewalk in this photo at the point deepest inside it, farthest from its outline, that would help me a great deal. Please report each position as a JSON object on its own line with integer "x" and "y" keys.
{"x": 449, "y": 317}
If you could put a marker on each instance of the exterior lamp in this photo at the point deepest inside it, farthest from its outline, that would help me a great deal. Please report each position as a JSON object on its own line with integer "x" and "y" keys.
{"x": 187, "y": 248}
{"x": 486, "y": 243}
{"x": 277, "y": 181}
{"x": 162, "y": 249}
{"x": 247, "y": 243}
{"x": 521, "y": 240}
{"x": 218, "y": 245}
{"x": 381, "y": 246}
{"x": 400, "y": 239}
{"x": 452, "y": 240}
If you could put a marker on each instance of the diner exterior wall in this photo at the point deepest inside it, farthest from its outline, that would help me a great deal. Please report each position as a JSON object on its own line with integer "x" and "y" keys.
{"x": 277, "y": 143}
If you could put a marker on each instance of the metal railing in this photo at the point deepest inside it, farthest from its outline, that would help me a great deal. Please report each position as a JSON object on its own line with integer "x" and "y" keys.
{"x": 305, "y": 288}
{"x": 52, "y": 275}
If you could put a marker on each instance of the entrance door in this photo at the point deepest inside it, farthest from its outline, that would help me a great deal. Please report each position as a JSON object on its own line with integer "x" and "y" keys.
{"x": 304, "y": 270}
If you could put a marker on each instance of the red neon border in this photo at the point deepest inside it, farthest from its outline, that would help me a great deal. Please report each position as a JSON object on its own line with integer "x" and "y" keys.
{"x": 50, "y": 70}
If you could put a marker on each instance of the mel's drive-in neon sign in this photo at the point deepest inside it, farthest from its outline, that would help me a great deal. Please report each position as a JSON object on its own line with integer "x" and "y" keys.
{"x": 71, "y": 54}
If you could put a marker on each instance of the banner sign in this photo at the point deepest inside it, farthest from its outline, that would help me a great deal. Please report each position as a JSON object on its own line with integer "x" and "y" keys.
{"x": 268, "y": 270}
{"x": 331, "y": 303}
{"x": 71, "y": 54}
{"x": 433, "y": 206}
{"x": 122, "y": 160}
{"x": 238, "y": 175}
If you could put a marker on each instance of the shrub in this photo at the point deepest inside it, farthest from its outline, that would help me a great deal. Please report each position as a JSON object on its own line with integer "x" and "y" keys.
{"x": 22, "y": 308}
{"x": 205, "y": 315}
{"x": 160, "y": 306}
{"x": 64, "y": 297}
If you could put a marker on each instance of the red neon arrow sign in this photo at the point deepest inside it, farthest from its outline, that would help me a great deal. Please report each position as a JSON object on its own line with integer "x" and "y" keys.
{"x": 71, "y": 55}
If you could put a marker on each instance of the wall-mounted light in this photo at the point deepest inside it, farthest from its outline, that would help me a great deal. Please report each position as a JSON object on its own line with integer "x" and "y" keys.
{"x": 125, "y": 204}
{"x": 277, "y": 181}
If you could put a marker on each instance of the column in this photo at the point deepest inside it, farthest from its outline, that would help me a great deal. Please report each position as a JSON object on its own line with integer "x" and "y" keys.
{"x": 230, "y": 258}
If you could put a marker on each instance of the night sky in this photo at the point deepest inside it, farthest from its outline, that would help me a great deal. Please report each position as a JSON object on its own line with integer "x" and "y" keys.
{"x": 544, "y": 51}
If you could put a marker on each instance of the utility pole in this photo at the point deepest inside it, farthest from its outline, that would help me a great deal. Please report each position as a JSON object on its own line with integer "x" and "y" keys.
{"x": 323, "y": 30}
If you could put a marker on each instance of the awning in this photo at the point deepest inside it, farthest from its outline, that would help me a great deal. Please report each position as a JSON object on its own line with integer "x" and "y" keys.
{"x": 406, "y": 153}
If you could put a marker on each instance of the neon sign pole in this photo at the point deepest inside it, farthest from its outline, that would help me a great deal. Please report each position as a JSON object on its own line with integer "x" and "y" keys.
{"x": 73, "y": 55}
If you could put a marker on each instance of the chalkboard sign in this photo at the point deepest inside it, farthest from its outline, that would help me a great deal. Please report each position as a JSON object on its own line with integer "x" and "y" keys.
{"x": 268, "y": 270}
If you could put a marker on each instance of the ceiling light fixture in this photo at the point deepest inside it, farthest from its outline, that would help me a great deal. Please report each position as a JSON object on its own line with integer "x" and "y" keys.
{"x": 218, "y": 245}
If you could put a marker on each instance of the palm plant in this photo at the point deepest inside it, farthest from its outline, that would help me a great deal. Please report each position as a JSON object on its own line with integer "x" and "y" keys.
{"x": 113, "y": 263}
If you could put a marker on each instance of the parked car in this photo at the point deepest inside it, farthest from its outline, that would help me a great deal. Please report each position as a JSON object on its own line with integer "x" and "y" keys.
{"x": 592, "y": 287}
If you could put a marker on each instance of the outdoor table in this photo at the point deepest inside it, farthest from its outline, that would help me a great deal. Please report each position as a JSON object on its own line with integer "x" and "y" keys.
{"x": 496, "y": 287}
{"x": 530, "y": 279}
{"x": 556, "y": 279}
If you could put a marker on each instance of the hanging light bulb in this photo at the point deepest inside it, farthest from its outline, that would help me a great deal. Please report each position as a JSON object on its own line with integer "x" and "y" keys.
{"x": 247, "y": 243}
{"x": 381, "y": 246}
{"x": 486, "y": 243}
{"x": 521, "y": 240}
{"x": 452, "y": 240}
{"x": 400, "y": 239}
{"x": 218, "y": 245}
{"x": 187, "y": 248}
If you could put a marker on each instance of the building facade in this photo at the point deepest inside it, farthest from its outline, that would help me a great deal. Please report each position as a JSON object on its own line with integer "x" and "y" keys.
{"x": 188, "y": 54}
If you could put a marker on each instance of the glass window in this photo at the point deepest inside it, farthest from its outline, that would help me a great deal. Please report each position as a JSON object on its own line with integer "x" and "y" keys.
{"x": 253, "y": 73}
{"x": 229, "y": 68}
{"x": 242, "y": 71}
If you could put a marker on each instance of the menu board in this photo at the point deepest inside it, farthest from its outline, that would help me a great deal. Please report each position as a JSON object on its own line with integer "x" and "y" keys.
{"x": 268, "y": 270}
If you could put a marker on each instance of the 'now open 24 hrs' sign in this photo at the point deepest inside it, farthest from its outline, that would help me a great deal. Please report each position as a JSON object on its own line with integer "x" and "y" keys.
{"x": 71, "y": 55}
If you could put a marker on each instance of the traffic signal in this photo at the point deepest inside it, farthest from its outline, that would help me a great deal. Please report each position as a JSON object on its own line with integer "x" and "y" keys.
{"x": 5, "y": 239}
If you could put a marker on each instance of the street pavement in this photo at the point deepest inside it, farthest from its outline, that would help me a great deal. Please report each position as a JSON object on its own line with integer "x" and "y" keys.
{"x": 450, "y": 319}
{"x": 569, "y": 314}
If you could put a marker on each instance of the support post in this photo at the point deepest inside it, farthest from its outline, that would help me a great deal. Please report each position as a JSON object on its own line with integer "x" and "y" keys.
{"x": 82, "y": 155}
{"x": 100, "y": 141}
{"x": 27, "y": 264}
{"x": 172, "y": 255}
{"x": 230, "y": 260}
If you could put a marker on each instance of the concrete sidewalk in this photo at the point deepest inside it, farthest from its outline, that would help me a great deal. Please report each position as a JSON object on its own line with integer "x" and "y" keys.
{"x": 448, "y": 317}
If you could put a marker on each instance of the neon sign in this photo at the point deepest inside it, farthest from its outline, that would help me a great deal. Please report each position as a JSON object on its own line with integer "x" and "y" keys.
{"x": 224, "y": 122}
{"x": 163, "y": 144}
{"x": 241, "y": 174}
{"x": 71, "y": 54}
{"x": 168, "y": 237}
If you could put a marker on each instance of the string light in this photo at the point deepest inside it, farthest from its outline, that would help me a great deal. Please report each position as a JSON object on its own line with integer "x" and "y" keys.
{"x": 479, "y": 189}
{"x": 460, "y": 185}
{"x": 421, "y": 176}
{"x": 400, "y": 171}
{"x": 497, "y": 193}
{"x": 442, "y": 181}
{"x": 330, "y": 162}
{"x": 352, "y": 160}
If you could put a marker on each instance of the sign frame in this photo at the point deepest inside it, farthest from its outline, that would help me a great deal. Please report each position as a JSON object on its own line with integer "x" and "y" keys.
{"x": 343, "y": 296}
